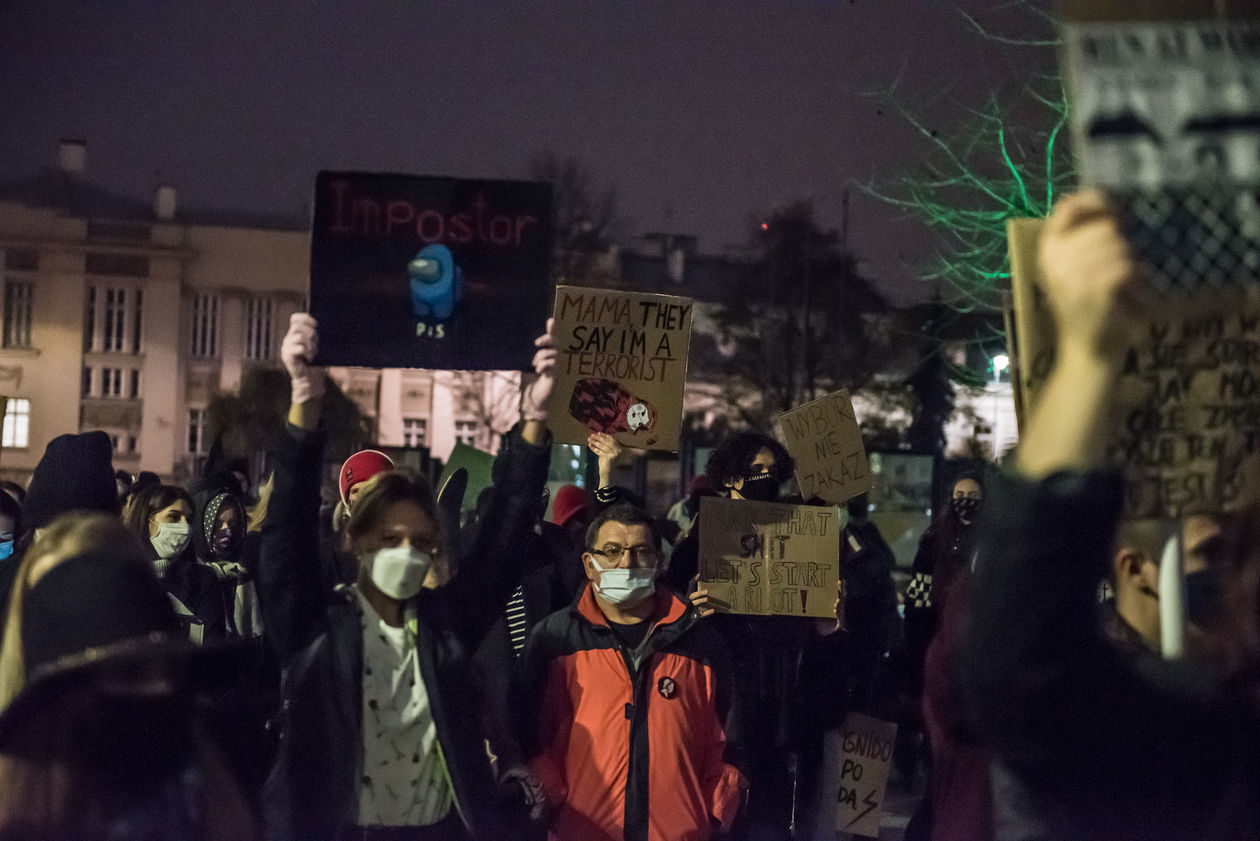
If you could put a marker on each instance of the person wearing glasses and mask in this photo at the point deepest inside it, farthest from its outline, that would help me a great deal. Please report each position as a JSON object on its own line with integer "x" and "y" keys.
{"x": 625, "y": 700}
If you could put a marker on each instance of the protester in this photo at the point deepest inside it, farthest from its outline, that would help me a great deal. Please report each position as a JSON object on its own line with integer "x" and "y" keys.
{"x": 626, "y": 704}
{"x": 958, "y": 800}
{"x": 382, "y": 732}
{"x": 122, "y": 485}
{"x": 74, "y": 474}
{"x": 10, "y": 526}
{"x": 14, "y": 490}
{"x": 1164, "y": 750}
{"x": 103, "y": 736}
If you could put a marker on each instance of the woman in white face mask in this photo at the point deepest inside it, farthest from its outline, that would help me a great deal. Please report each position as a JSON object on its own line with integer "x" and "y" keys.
{"x": 159, "y": 514}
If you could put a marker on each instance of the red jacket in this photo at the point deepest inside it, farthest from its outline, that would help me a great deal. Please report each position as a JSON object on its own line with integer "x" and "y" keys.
{"x": 641, "y": 754}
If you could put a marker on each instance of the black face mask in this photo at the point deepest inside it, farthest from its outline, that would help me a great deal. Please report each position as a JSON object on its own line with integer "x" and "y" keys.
{"x": 1204, "y": 597}
{"x": 762, "y": 487}
{"x": 965, "y": 507}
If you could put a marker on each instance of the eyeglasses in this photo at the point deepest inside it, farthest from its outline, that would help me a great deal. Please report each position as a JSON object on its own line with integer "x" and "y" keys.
{"x": 638, "y": 554}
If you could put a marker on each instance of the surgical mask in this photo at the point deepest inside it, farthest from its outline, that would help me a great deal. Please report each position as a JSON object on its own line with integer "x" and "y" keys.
{"x": 1203, "y": 597}
{"x": 965, "y": 507}
{"x": 170, "y": 540}
{"x": 762, "y": 487}
{"x": 6, "y": 548}
{"x": 624, "y": 587}
{"x": 399, "y": 571}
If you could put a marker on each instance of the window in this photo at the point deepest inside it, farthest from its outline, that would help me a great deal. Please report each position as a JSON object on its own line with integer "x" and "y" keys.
{"x": 415, "y": 431}
{"x": 18, "y": 295}
{"x": 466, "y": 432}
{"x": 111, "y": 382}
{"x": 111, "y": 323}
{"x": 87, "y": 381}
{"x": 258, "y": 329}
{"x": 17, "y": 423}
{"x": 197, "y": 431}
{"x": 134, "y": 391}
{"x": 205, "y": 325}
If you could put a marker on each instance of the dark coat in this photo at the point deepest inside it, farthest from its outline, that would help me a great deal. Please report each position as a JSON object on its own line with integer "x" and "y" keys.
{"x": 313, "y": 790}
{"x": 1124, "y": 745}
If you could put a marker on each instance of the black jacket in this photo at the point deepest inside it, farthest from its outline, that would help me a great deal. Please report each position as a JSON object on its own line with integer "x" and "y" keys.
{"x": 1121, "y": 746}
{"x": 312, "y": 792}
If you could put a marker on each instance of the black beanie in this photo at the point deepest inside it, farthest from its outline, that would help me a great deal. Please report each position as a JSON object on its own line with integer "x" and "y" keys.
{"x": 75, "y": 474}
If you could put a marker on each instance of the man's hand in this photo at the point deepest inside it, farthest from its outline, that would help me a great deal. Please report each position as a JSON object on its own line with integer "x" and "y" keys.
{"x": 534, "y": 400}
{"x": 297, "y": 350}
{"x": 606, "y": 449}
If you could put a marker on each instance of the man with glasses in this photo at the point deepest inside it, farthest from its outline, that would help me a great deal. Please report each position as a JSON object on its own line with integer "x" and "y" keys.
{"x": 625, "y": 706}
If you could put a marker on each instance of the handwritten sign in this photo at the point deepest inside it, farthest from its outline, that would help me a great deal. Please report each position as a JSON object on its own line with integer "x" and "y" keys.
{"x": 622, "y": 366}
{"x": 769, "y": 559}
{"x": 825, "y": 441}
{"x": 1034, "y": 323}
{"x": 865, "y": 759}
{"x": 1192, "y": 444}
{"x": 421, "y": 272}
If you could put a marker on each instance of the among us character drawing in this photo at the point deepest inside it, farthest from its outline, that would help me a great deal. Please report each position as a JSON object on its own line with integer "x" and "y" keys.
{"x": 437, "y": 283}
{"x": 606, "y": 406}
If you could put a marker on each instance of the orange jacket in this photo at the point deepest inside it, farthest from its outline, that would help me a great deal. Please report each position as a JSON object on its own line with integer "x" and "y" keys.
{"x": 640, "y": 752}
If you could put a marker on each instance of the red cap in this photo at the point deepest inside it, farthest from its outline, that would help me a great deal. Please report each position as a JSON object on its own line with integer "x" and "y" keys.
{"x": 570, "y": 501}
{"x": 360, "y": 467}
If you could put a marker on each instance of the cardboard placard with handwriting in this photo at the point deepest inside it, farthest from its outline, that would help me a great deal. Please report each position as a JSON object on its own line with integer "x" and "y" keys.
{"x": 621, "y": 366}
{"x": 865, "y": 761}
{"x": 769, "y": 559}
{"x": 1190, "y": 441}
{"x": 825, "y": 441}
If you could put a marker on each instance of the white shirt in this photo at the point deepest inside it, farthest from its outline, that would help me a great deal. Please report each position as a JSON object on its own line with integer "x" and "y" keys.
{"x": 404, "y": 780}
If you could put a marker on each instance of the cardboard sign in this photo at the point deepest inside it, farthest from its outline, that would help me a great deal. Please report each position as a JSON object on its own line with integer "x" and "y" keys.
{"x": 825, "y": 441}
{"x": 1192, "y": 445}
{"x": 621, "y": 368}
{"x": 1165, "y": 97}
{"x": 769, "y": 559}
{"x": 419, "y": 272}
{"x": 866, "y": 752}
{"x": 1034, "y": 324}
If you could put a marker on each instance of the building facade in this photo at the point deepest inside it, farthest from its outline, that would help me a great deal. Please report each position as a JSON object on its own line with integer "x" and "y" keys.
{"x": 130, "y": 316}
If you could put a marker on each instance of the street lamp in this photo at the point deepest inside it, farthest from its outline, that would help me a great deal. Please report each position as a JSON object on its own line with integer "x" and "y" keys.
{"x": 1000, "y": 363}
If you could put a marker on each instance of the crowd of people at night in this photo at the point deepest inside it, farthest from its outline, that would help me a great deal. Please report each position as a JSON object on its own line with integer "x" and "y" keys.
{"x": 304, "y": 661}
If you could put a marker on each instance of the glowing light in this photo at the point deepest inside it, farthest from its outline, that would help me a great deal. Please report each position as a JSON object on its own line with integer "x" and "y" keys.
{"x": 1001, "y": 362}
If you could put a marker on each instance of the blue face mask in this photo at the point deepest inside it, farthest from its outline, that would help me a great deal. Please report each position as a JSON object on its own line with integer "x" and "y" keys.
{"x": 6, "y": 548}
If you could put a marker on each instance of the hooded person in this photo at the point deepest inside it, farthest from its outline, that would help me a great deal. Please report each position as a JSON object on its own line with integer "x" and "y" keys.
{"x": 76, "y": 473}
{"x": 218, "y": 541}
{"x": 102, "y": 734}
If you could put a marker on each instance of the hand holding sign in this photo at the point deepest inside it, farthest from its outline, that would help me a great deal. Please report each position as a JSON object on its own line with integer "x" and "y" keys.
{"x": 299, "y": 347}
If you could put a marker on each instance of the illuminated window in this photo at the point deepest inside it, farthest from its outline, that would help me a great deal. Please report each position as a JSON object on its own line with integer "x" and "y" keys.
{"x": 415, "y": 432}
{"x": 258, "y": 328}
{"x": 205, "y": 325}
{"x": 18, "y": 295}
{"x": 17, "y": 423}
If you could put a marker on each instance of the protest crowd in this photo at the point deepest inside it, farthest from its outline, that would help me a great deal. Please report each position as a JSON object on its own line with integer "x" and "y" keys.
{"x": 354, "y": 653}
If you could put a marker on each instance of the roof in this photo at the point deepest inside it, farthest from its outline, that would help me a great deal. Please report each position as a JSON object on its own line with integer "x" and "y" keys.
{"x": 56, "y": 189}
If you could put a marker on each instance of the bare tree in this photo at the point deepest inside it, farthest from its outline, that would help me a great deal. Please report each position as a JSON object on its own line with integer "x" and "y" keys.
{"x": 585, "y": 216}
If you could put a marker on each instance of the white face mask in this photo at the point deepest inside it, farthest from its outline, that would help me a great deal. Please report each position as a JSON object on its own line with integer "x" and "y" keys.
{"x": 170, "y": 540}
{"x": 624, "y": 587}
{"x": 399, "y": 572}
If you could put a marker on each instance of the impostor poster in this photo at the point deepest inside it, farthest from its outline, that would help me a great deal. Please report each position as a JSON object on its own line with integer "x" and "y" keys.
{"x": 427, "y": 272}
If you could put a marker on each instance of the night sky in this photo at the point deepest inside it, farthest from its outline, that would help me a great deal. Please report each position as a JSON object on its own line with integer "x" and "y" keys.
{"x": 699, "y": 113}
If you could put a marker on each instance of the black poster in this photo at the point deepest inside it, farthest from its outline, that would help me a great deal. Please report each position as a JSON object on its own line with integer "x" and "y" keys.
{"x": 421, "y": 272}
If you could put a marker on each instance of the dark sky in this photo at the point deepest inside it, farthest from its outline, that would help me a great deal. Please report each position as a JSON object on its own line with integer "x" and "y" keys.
{"x": 699, "y": 113}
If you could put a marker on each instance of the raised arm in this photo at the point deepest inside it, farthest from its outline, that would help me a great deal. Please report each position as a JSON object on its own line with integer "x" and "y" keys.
{"x": 1062, "y": 707}
{"x": 289, "y": 582}
{"x": 490, "y": 568}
